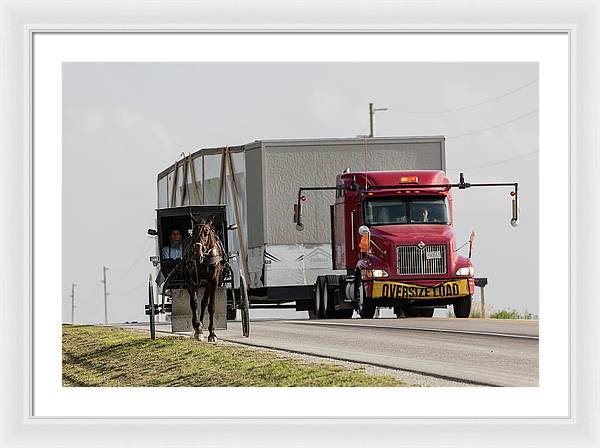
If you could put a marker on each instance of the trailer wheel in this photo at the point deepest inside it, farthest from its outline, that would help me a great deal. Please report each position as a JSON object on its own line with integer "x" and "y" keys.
{"x": 462, "y": 307}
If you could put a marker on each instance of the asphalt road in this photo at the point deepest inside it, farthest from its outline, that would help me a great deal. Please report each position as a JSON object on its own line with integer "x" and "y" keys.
{"x": 470, "y": 351}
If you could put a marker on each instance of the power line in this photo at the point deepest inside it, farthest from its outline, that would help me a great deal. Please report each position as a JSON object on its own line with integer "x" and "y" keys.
{"x": 499, "y": 162}
{"x": 468, "y": 106}
{"x": 477, "y": 131}
{"x": 135, "y": 262}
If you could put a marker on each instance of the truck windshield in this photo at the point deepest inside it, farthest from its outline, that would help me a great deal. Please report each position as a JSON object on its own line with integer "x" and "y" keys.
{"x": 415, "y": 210}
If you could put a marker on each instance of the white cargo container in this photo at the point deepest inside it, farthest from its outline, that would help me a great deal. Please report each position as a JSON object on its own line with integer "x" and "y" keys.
{"x": 282, "y": 264}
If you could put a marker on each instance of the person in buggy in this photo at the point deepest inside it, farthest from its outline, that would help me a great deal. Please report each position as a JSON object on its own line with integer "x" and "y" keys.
{"x": 173, "y": 250}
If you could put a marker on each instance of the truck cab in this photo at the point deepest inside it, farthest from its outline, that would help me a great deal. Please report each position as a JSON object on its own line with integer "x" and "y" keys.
{"x": 392, "y": 232}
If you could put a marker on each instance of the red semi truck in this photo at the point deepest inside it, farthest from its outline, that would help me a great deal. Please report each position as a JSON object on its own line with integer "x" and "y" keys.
{"x": 392, "y": 233}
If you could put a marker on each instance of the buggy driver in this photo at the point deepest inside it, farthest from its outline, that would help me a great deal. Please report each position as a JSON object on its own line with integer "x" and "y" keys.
{"x": 173, "y": 249}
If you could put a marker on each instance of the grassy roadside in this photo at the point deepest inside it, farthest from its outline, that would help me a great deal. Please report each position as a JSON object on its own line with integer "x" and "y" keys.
{"x": 493, "y": 313}
{"x": 100, "y": 356}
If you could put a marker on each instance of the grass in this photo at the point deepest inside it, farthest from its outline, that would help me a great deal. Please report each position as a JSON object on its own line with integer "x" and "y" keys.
{"x": 101, "y": 356}
{"x": 512, "y": 314}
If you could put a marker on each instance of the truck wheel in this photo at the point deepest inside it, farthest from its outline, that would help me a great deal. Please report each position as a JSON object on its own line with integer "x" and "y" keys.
{"x": 366, "y": 305}
{"x": 345, "y": 313}
{"x": 318, "y": 296}
{"x": 328, "y": 301}
{"x": 411, "y": 312}
{"x": 398, "y": 312}
{"x": 426, "y": 312}
{"x": 462, "y": 307}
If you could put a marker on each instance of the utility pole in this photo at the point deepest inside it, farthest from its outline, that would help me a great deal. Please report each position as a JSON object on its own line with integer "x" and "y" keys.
{"x": 371, "y": 116}
{"x": 104, "y": 269}
{"x": 73, "y": 302}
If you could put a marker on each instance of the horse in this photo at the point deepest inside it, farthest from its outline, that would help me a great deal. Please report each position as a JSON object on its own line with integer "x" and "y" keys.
{"x": 203, "y": 264}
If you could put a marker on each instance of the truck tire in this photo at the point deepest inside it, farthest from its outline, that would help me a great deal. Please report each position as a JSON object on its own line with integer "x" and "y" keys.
{"x": 366, "y": 305}
{"x": 462, "y": 307}
{"x": 345, "y": 313}
{"x": 312, "y": 312}
{"x": 318, "y": 299}
{"x": 426, "y": 312}
{"x": 328, "y": 300}
{"x": 411, "y": 312}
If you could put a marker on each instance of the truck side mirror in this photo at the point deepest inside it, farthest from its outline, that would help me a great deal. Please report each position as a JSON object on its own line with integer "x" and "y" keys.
{"x": 232, "y": 227}
{"x": 152, "y": 232}
{"x": 515, "y": 208}
{"x": 515, "y": 211}
{"x": 298, "y": 216}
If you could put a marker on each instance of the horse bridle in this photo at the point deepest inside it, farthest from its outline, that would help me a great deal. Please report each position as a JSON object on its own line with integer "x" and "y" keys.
{"x": 203, "y": 240}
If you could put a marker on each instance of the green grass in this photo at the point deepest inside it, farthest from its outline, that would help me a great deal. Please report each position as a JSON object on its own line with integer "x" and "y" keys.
{"x": 101, "y": 356}
{"x": 512, "y": 314}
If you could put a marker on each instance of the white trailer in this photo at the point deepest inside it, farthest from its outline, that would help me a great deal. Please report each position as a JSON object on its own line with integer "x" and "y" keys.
{"x": 259, "y": 181}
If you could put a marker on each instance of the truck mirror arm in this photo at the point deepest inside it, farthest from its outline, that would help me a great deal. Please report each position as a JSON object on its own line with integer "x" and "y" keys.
{"x": 462, "y": 185}
{"x": 298, "y": 211}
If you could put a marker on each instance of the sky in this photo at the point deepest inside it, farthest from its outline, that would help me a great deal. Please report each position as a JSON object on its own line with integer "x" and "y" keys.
{"x": 123, "y": 123}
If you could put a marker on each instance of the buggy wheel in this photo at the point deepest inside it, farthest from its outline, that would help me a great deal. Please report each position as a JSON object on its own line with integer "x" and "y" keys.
{"x": 244, "y": 307}
{"x": 151, "y": 305}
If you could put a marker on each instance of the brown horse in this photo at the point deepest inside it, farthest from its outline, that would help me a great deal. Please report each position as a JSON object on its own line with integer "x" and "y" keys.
{"x": 203, "y": 263}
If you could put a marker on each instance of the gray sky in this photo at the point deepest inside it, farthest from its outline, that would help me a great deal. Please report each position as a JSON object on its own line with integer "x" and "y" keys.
{"x": 125, "y": 122}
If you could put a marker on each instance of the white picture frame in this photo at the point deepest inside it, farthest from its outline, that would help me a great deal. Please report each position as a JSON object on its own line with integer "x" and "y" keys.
{"x": 19, "y": 21}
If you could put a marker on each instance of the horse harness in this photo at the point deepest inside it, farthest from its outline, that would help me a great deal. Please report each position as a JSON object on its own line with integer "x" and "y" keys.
{"x": 211, "y": 259}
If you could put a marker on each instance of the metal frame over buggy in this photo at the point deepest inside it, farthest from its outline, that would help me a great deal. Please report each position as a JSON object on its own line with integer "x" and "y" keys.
{"x": 169, "y": 280}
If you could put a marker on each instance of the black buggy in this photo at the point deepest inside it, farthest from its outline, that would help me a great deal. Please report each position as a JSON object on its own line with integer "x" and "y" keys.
{"x": 169, "y": 279}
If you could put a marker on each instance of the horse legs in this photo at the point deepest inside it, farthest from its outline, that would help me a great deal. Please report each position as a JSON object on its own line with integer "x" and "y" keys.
{"x": 212, "y": 337}
{"x": 194, "y": 306}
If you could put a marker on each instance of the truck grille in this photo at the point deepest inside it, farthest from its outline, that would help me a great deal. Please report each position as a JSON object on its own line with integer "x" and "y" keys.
{"x": 415, "y": 261}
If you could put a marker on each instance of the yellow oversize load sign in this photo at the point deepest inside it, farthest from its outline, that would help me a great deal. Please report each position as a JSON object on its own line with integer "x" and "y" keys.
{"x": 395, "y": 290}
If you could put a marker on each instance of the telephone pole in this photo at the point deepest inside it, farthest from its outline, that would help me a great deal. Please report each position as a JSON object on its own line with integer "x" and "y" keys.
{"x": 104, "y": 269}
{"x": 371, "y": 118}
{"x": 73, "y": 302}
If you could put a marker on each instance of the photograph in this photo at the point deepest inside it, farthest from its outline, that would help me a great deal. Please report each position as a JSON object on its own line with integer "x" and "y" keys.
{"x": 300, "y": 224}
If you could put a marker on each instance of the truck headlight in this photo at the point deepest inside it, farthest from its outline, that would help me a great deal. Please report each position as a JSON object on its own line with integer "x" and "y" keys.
{"x": 376, "y": 273}
{"x": 466, "y": 271}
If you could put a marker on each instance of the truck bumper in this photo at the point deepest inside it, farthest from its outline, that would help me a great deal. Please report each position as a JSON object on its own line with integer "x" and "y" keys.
{"x": 435, "y": 290}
